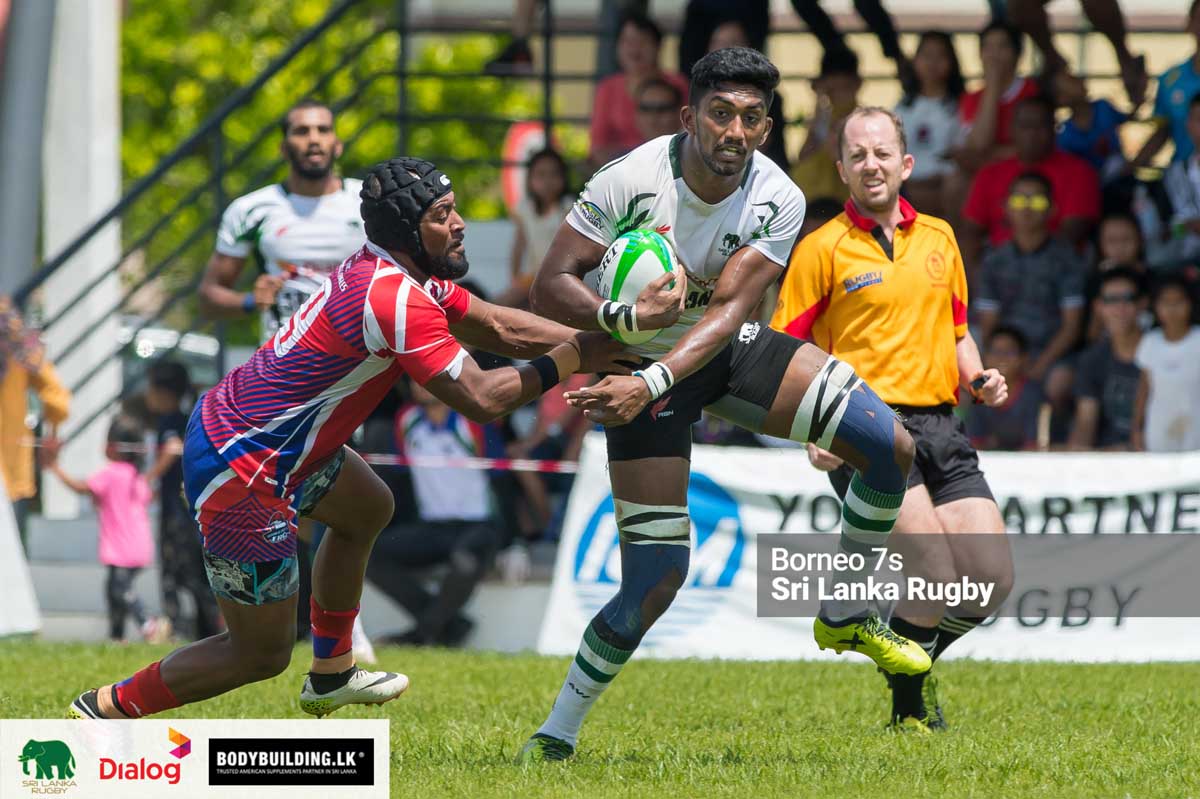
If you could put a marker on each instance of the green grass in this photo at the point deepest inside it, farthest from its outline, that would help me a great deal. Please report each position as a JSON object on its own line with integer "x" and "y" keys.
{"x": 725, "y": 729}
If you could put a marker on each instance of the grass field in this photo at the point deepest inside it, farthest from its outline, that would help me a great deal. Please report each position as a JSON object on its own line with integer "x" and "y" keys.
{"x": 708, "y": 729}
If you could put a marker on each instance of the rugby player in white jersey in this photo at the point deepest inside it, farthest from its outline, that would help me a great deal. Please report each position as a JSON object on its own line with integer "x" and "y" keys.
{"x": 298, "y": 232}
{"x": 732, "y": 217}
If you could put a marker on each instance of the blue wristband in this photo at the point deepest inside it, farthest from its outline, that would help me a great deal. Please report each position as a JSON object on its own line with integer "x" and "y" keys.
{"x": 248, "y": 303}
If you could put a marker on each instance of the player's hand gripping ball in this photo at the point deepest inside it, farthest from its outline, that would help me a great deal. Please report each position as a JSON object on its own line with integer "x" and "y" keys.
{"x": 635, "y": 271}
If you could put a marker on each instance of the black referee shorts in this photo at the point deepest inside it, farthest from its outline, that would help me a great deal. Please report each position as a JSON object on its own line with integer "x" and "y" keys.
{"x": 945, "y": 463}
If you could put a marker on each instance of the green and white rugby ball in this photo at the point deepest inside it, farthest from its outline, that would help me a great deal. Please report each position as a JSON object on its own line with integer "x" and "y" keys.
{"x": 631, "y": 263}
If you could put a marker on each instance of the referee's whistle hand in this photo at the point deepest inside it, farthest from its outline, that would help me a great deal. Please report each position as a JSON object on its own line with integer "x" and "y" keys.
{"x": 994, "y": 391}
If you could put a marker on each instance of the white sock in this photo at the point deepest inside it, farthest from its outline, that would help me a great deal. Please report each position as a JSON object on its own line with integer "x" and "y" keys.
{"x": 364, "y": 652}
{"x": 595, "y": 665}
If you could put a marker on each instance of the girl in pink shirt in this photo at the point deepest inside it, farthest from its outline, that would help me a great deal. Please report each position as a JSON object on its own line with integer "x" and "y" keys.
{"x": 122, "y": 497}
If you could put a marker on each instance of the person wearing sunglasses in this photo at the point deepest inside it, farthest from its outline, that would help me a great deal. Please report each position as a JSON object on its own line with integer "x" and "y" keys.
{"x": 1075, "y": 195}
{"x": 1108, "y": 375}
{"x": 1035, "y": 283}
{"x": 658, "y": 105}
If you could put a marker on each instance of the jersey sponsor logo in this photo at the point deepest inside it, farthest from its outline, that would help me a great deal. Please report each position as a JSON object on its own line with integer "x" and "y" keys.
{"x": 935, "y": 265}
{"x": 659, "y": 409}
{"x": 749, "y": 332}
{"x": 662, "y": 229}
{"x": 852, "y": 284}
{"x": 591, "y": 213}
{"x": 730, "y": 243}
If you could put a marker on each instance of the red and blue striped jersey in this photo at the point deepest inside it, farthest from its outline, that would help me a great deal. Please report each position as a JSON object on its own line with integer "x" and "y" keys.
{"x": 279, "y": 416}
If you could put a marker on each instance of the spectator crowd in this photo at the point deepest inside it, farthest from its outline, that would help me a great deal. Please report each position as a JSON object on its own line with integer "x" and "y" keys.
{"x": 1081, "y": 257}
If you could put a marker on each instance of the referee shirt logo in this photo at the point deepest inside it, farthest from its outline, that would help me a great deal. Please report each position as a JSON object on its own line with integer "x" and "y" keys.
{"x": 852, "y": 284}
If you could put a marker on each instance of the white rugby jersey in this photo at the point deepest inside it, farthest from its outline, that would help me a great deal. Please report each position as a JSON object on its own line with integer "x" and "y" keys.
{"x": 645, "y": 190}
{"x": 300, "y": 238}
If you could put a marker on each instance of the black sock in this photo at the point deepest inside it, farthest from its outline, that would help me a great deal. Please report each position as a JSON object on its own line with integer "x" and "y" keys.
{"x": 906, "y": 689}
{"x": 324, "y": 683}
{"x": 951, "y": 629}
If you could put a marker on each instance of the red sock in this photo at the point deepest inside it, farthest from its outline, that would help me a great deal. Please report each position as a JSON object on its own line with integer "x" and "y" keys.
{"x": 330, "y": 630}
{"x": 144, "y": 693}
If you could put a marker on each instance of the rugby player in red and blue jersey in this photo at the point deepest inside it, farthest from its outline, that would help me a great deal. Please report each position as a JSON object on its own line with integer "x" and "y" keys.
{"x": 266, "y": 445}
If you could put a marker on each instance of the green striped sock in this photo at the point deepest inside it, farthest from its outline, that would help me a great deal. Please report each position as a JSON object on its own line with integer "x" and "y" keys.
{"x": 868, "y": 517}
{"x": 595, "y": 665}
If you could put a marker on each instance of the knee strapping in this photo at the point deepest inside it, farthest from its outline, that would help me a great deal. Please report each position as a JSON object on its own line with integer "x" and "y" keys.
{"x": 838, "y": 404}
{"x": 653, "y": 524}
{"x": 825, "y": 403}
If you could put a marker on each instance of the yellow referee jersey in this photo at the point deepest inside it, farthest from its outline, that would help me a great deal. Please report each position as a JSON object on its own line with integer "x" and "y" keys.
{"x": 892, "y": 310}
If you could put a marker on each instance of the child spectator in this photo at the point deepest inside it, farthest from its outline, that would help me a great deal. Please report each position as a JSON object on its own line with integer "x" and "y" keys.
{"x": 836, "y": 88}
{"x": 537, "y": 218}
{"x": 1034, "y": 283}
{"x": 1166, "y": 416}
{"x": 1182, "y": 182}
{"x": 180, "y": 559}
{"x": 1107, "y": 377}
{"x": 122, "y": 497}
{"x": 1092, "y": 132}
{"x": 614, "y": 129}
{"x": 1013, "y": 425}
{"x": 929, "y": 111}
{"x": 1119, "y": 242}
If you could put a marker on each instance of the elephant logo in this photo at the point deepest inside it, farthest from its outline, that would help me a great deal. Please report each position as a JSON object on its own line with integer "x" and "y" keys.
{"x": 48, "y": 755}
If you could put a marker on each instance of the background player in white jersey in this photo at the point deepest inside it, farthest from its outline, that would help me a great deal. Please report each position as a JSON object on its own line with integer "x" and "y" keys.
{"x": 298, "y": 231}
{"x": 732, "y": 216}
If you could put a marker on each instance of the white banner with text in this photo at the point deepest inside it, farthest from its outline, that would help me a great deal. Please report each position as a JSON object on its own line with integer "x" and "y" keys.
{"x": 737, "y": 495}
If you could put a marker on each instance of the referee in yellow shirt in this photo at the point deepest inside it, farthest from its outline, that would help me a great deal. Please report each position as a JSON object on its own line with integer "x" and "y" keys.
{"x": 883, "y": 288}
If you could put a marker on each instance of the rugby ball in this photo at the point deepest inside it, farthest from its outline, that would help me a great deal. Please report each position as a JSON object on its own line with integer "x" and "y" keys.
{"x": 631, "y": 263}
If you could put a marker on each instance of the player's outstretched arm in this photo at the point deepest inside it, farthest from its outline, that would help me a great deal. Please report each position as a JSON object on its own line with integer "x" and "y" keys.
{"x": 508, "y": 331}
{"x": 483, "y": 396}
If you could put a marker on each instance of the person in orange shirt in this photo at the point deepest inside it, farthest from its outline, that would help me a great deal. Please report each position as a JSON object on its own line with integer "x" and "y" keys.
{"x": 24, "y": 368}
{"x": 883, "y": 288}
